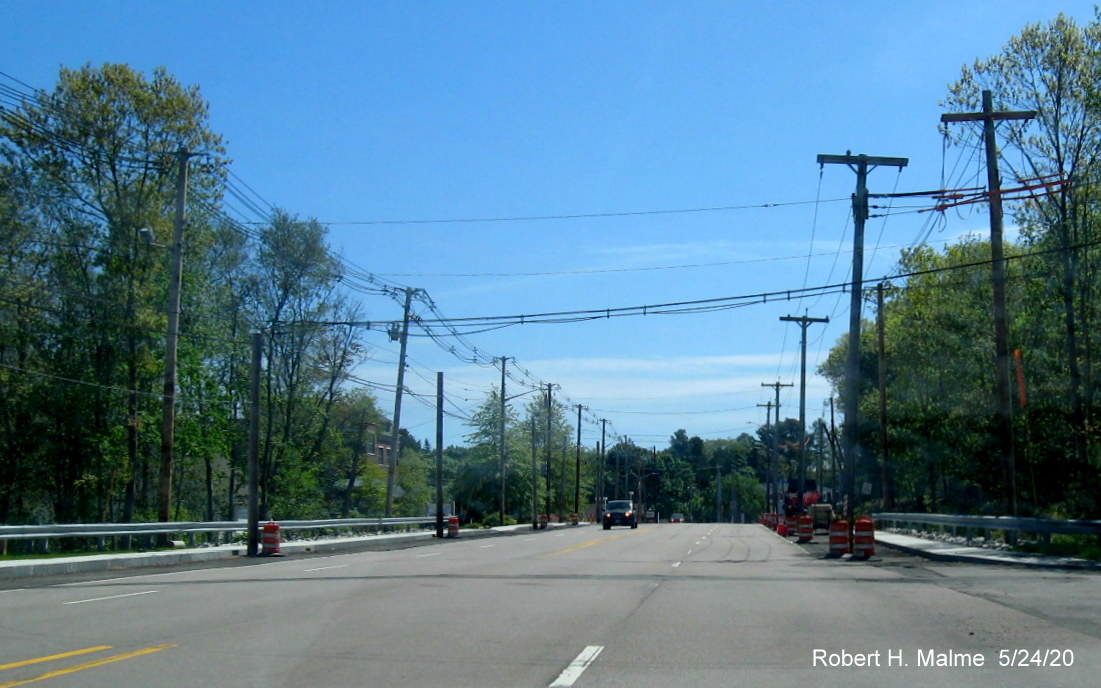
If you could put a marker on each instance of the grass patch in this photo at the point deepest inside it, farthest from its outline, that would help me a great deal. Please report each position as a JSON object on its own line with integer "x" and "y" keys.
{"x": 1077, "y": 546}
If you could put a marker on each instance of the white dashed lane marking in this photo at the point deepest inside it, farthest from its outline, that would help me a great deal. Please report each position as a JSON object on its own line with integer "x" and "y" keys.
{"x": 114, "y": 597}
{"x": 577, "y": 667}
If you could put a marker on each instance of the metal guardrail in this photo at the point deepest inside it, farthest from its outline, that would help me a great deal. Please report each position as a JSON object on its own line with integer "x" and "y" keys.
{"x": 191, "y": 528}
{"x": 1045, "y": 527}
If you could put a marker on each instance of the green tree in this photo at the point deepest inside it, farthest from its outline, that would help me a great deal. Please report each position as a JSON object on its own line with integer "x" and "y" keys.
{"x": 479, "y": 483}
{"x": 940, "y": 382}
{"x": 93, "y": 160}
{"x": 294, "y": 289}
{"x": 350, "y": 478}
{"x": 556, "y": 450}
{"x": 23, "y": 264}
{"x": 1055, "y": 70}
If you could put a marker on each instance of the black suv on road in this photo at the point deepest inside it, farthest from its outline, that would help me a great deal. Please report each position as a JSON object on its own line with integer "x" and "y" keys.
{"x": 620, "y": 512}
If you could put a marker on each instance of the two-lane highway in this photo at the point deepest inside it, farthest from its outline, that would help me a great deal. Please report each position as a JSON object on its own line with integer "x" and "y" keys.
{"x": 671, "y": 604}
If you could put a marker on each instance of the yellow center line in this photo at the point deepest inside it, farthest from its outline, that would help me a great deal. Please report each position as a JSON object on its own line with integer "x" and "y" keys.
{"x": 577, "y": 547}
{"x": 87, "y": 665}
{"x": 63, "y": 655}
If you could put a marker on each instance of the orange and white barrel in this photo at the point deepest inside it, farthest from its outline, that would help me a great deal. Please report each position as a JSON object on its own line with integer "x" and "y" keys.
{"x": 453, "y": 527}
{"x": 270, "y": 540}
{"x": 806, "y": 529}
{"x": 864, "y": 538}
{"x": 839, "y": 539}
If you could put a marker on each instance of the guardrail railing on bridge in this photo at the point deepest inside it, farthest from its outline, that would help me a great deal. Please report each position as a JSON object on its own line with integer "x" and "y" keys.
{"x": 223, "y": 530}
{"x": 1043, "y": 527}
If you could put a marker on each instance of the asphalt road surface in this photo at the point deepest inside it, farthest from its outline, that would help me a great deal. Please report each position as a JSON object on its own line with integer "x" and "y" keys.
{"x": 663, "y": 605}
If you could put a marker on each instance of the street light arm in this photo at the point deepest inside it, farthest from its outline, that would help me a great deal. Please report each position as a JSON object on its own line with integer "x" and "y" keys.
{"x": 530, "y": 391}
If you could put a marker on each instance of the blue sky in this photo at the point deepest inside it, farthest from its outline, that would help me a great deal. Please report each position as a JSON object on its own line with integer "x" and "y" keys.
{"x": 368, "y": 115}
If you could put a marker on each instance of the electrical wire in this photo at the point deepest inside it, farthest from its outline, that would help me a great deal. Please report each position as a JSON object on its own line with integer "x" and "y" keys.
{"x": 577, "y": 216}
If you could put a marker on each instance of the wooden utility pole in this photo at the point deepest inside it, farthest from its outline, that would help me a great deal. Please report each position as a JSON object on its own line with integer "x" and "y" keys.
{"x": 804, "y": 322}
{"x": 850, "y": 429}
{"x": 253, "y": 547}
{"x": 439, "y": 454}
{"x": 884, "y": 450}
{"x": 550, "y": 406}
{"x": 1004, "y": 396}
{"x": 718, "y": 493}
{"x": 776, "y": 437}
{"x": 562, "y": 502}
{"x": 534, "y": 484}
{"x": 171, "y": 343}
{"x": 770, "y": 479}
{"x": 504, "y": 360}
{"x": 600, "y": 493}
{"x": 835, "y": 451}
{"x": 395, "y": 434}
{"x": 577, "y": 465}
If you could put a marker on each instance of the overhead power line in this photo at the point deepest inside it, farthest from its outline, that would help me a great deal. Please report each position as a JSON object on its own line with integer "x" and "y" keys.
{"x": 579, "y": 216}
{"x": 598, "y": 271}
{"x": 710, "y": 304}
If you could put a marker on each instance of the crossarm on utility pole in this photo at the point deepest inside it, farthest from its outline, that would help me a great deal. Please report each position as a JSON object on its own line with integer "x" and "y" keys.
{"x": 872, "y": 160}
{"x": 980, "y": 116}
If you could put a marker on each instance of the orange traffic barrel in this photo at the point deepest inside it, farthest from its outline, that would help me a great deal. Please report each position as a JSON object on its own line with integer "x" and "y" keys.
{"x": 864, "y": 538}
{"x": 806, "y": 529}
{"x": 792, "y": 526}
{"x": 839, "y": 539}
{"x": 453, "y": 527}
{"x": 270, "y": 540}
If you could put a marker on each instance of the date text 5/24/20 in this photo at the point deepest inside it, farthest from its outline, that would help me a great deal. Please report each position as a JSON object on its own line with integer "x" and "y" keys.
{"x": 1019, "y": 657}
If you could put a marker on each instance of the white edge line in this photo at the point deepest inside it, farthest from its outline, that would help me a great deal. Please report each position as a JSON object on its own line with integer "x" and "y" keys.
{"x": 433, "y": 554}
{"x": 114, "y": 597}
{"x": 577, "y": 667}
{"x": 326, "y": 568}
{"x": 125, "y": 578}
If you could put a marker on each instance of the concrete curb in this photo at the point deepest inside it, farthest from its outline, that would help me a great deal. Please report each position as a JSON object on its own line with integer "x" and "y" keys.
{"x": 942, "y": 551}
{"x": 29, "y": 568}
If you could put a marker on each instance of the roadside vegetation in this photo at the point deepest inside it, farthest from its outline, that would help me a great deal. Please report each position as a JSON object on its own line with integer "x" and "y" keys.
{"x": 89, "y": 186}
